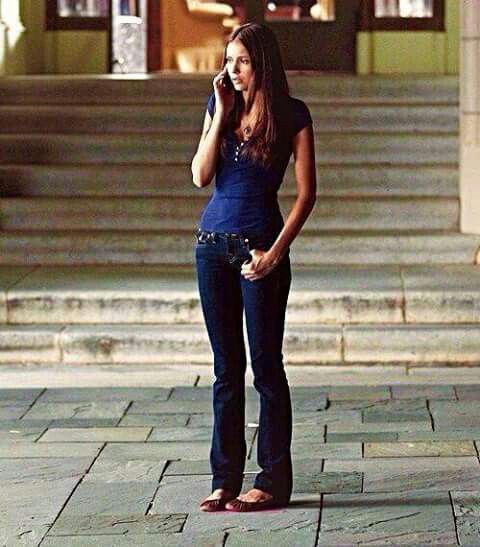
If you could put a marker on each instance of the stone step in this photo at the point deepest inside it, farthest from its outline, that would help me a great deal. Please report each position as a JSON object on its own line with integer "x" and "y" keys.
{"x": 303, "y": 344}
{"x": 177, "y": 247}
{"x": 162, "y": 148}
{"x": 350, "y": 294}
{"x": 352, "y": 180}
{"x": 178, "y": 118}
{"x": 176, "y": 212}
{"x": 171, "y": 88}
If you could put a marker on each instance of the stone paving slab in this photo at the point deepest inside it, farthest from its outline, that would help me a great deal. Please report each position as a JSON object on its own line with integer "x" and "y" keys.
{"x": 148, "y": 540}
{"x": 453, "y": 414}
{"x": 185, "y": 450}
{"x": 447, "y": 435}
{"x": 154, "y": 420}
{"x": 13, "y": 534}
{"x": 171, "y": 407}
{"x": 308, "y": 433}
{"x": 389, "y": 464}
{"x": 372, "y": 405}
{"x": 107, "y": 498}
{"x": 468, "y": 392}
{"x": 28, "y": 470}
{"x": 401, "y": 410}
{"x": 272, "y": 538}
{"x": 423, "y": 392}
{"x": 437, "y": 480}
{"x": 181, "y": 493}
{"x": 466, "y": 504}
{"x": 21, "y": 424}
{"x": 361, "y": 437}
{"x": 302, "y": 514}
{"x": 118, "y": 524}
{"x": 46, "y": 450}
{"x": 20, "y": 394}
{"x": 206, "y": 419}
{"x": 468, "y": 530}
{"x": 190, "y": 434}
{"x": 326, "y": 450}
{"x": 56, "y": 395}
{"x": 419, "y": 448}
{"x": 28, "y": 508}
{"x": 116, "y": 481}
{"x": 378, "y": 427}
{"x": 110, "y": 470}
{"x": 86, "y": 409}
{"x": 309, "y": 403}
{"x": 13, "y": 411}
{"x": 327, "y": 417}
{"x": 27, "y": 435}
{"x": 200, "y": 467}
{"x": 75, "y": 423}
{"x": 312, "y": 482}
{"x": 412, "y": 517}
{"x": 323, "y": 450}
{"x": 96, "y": 434}
{"x": 353, "y": 393}
{"x": 202, "y": 393}
{"x": 419, "y": 473}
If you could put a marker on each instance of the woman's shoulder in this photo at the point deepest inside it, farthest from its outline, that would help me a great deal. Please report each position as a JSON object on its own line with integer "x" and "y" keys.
{"x": 299, "y": 113}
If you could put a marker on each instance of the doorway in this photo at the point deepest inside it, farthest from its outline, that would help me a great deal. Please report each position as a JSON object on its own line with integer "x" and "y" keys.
{"x": 313, "y": 34}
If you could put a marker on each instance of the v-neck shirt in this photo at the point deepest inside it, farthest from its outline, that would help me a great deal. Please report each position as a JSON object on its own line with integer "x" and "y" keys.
{"x": 245, "y": 200}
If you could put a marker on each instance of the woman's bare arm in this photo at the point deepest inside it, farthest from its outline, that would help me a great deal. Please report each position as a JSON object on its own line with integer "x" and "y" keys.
{"x": 306, "y": 183}
{"x": 205, "y": 159}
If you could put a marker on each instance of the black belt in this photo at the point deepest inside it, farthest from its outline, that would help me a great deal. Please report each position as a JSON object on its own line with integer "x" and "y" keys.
{"x": 213, "y": 237}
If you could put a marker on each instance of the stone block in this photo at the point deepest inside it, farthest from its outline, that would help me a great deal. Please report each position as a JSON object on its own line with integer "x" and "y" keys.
{"x": 418, "y": 517}
{"x": 96, "y": 434}
{"x": 418, "y": 448}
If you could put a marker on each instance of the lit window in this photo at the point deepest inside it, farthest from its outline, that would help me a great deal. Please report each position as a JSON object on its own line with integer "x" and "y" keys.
{"x": 403, "y": 8}
{"x": 299, "y": 10}
{"x": 82, "y": 8}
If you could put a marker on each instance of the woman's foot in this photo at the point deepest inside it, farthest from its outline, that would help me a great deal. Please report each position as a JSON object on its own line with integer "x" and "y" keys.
{"x": 216, "y": 500}
{"x": 253, "y": 500}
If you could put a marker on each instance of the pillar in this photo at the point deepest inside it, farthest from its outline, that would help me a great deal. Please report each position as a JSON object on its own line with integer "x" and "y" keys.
{"x": 470, "y": 117}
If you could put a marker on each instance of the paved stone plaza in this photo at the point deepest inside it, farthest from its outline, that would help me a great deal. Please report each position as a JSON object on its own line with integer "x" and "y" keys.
{"x": 382, "y": 456}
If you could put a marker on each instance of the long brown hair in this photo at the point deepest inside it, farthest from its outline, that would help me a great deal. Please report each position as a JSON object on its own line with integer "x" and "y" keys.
{"x": 271, "y": 80}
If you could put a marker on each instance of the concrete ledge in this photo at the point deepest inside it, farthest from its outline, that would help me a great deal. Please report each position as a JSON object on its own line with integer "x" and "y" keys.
{"x": 414, "y": 343}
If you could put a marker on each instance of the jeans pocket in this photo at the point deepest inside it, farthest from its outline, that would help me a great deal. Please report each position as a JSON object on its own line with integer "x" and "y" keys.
{"x": 240, "y": 257}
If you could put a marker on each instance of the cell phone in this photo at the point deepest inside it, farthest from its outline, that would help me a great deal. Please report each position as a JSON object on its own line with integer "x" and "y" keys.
{"x": 228, "y": 82}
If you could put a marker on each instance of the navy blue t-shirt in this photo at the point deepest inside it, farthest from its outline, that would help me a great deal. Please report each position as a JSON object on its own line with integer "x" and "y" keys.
{"x": 245, "y": 197}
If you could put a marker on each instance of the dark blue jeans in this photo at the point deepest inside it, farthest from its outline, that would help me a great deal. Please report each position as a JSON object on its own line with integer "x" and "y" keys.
{"x": 224, "y": 294}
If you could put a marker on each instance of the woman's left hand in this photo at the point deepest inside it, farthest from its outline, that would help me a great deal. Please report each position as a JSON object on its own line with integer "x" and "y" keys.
{"x": 262, "y": 264}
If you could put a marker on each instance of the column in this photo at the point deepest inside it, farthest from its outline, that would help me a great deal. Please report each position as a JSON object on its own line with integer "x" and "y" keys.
{"x": 470, "y": 117}
{"x": 3, "y": 42}
{"x": 12, "y": 46}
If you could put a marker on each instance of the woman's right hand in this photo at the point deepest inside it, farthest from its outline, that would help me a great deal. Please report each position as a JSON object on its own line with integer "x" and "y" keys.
{"x": 224, "y": 93}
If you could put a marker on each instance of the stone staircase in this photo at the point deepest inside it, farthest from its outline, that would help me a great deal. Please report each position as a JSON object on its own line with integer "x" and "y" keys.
{"x": 98, "y": 208}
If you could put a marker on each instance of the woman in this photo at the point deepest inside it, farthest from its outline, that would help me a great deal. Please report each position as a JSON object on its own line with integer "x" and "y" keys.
{"x": 251, "y": 127}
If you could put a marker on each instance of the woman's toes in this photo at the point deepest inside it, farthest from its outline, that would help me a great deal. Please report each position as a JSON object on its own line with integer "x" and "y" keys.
{"x": 254, "y": 495}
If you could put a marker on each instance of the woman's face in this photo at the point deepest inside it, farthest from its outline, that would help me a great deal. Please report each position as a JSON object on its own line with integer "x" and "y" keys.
{"x": 239, "y": 65}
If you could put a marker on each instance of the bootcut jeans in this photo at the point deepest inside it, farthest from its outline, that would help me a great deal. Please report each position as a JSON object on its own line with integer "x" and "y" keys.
{"x": 224, "y": 294}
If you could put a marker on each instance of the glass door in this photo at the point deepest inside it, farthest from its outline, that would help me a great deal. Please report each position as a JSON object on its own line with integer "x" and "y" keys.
{"x": 129, "y": 36}
{"x": 313, "y": 34}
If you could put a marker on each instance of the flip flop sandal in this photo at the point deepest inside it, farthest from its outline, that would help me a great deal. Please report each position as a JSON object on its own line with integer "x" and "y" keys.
{"x": 244, "y": 506}
{"x": 210, "y": 506}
